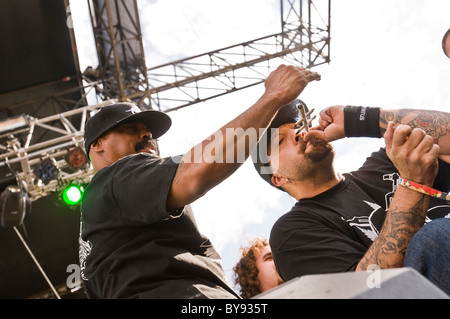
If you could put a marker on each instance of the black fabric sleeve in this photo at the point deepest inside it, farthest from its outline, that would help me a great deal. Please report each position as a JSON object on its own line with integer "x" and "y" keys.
{"x": 141, "y": 188}
{"x": 314, "y": 250}
{"x": 442, "y": 180}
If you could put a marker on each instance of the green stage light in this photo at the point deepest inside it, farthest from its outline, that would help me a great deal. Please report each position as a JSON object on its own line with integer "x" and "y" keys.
{"x": 72, "y": 194}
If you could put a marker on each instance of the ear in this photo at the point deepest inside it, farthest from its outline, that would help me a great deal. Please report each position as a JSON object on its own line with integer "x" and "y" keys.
{"x": 96, "y": 146}
{"x": 279, "y": 180}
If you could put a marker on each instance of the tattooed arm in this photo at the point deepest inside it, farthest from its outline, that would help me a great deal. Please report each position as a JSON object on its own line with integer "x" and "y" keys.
{"x": 415, "y": 154}
{"x": 405, "y": 217}
{"x": 434, "y": 123}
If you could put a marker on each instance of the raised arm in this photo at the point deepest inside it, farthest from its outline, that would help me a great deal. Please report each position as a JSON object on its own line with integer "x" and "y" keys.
{"x": 435, "y": 124}
{"x": 337, "y": 122}
{"x": 217, "y": 157}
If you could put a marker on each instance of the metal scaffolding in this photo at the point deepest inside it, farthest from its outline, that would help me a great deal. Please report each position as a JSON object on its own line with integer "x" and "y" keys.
{"x": 22, "y": 156}
{"x": 304, "y": 40}
{"x": 120, "y": 49}
{"x": 122, "y": 76}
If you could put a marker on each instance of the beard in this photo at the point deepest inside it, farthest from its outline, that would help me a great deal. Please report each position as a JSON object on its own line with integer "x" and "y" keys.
{"x": 146, "y": 142}
{"x": 313, "y": 161}
{"x": 317, "y": 162}
{"x": 321, "y": 150}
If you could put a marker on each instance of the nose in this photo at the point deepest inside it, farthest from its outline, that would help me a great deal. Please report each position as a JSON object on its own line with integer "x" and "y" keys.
{"x": 296, "y": 137}
{"x": 144, "y": 133}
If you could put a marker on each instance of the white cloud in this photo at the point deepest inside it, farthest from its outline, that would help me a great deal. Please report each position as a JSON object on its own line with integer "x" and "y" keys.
{"x": 177, "y": 29}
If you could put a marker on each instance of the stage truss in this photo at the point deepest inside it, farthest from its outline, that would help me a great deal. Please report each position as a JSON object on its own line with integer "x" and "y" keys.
{"x": 122, "y": 76}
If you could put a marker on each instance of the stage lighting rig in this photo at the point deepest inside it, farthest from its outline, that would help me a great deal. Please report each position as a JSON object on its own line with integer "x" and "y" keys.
{"x": 77, "y": 158}
{"x": 46, "y": 171}
{"x": 71, "y": 193}
{"x": 14, "y": 123}
{"x": 46, "y": 166}
{"x": 14, "y": 204}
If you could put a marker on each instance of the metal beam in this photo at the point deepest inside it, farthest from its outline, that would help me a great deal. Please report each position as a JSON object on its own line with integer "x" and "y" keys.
{"x": 304, "y": 41}
{"x": 122, "y": 75}
{"x": 120, "y": 50}
{"x": 21, "y": 154}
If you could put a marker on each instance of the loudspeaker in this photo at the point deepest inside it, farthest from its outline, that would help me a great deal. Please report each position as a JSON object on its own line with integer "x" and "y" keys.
{"x": 399, "y": 283}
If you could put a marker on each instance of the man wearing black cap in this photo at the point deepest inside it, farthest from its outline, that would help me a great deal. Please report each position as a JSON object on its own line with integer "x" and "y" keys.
{"x": 138, "y": 235}
{"x": 364, "y": 219}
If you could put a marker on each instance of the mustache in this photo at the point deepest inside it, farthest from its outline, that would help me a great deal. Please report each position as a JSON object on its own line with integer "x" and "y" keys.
{"x": 146, "y": 142}
{"x": 322, "y": 150}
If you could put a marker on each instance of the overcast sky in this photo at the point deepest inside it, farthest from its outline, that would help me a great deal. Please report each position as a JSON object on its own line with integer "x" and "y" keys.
{"x": 383, "y": 53}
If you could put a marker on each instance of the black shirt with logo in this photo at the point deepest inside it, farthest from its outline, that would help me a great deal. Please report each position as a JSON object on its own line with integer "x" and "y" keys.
{"x": 332, "y": 231}
{"x": 132, "y": 247}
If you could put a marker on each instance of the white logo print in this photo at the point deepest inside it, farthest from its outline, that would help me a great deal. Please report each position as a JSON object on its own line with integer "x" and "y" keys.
{"x": 210, "y": 251}
{"x": 365, "y": 223}
{"x": 134, "y": 109}
{"x": 369, "y": 224}
{"x": 83, "y": 251}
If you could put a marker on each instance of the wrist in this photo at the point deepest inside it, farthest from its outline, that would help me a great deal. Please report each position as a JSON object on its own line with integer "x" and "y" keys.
{"x": 424, "y": 189}
{"x": 362, "y": 121}
{"x": 273, "y": 100}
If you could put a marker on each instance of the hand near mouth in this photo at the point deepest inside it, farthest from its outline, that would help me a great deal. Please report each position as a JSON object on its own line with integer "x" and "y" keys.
{"x": 315, "y": 134}
{"x": 330, "y": 125}
{"x": 327, "y": 134}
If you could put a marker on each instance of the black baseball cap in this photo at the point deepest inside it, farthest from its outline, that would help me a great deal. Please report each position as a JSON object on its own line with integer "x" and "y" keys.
{"x": 112, "y": 115}
{"x": 287, "y": 114}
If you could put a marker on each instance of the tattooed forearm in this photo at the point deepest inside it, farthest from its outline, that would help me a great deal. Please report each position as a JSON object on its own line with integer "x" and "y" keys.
{"x": 388, "y": 250}
{"x": 434, "y": 123}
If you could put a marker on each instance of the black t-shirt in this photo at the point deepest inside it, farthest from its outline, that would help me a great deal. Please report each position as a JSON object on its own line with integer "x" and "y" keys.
{"x": 131, "y": 247}
{"x": 332, "y": 231}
